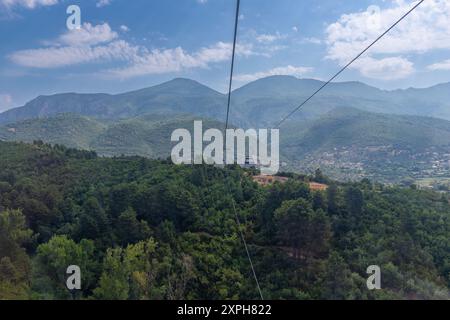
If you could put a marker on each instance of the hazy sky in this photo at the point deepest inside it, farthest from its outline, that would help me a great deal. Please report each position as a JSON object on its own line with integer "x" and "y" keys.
{"x": 130, "y": 44}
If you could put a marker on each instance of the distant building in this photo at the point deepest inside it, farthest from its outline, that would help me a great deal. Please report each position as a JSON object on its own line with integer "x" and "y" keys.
{"x": 317, "y": 186}
{"x": 267, "y": 180}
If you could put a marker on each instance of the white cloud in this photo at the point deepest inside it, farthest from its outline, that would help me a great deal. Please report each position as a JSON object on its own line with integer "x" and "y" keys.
{"x": 88, "y": 35}
{"x": 101, "y": 44}
{"x": 425, "y": 29}
{"x": 265, "y": 44}
{"x": 156, "y": 62}
{"x": 174, "y": 60}
{"x": 288, "y": 71}
{"x": 295, "y": 29}
{"x": 124, "y": 28}
{"x": 89, "y": 43}
{"x": 202, "y": 1}
{"x": 55, "y": 57}
{"x": 103, "y": 3}
{"x": 5, "y": 101}
{"x": 269, "y": 38}
{"x": 391, "y": 68}
{"x": 221, "y": 51}
{"x": 29, "y": 4}
{"x": 312, "y": 40}
{"x": 444, "y": 65}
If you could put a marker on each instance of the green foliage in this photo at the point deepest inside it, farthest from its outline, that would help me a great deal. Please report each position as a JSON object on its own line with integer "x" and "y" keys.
{"x": 51, "y": 263}
{"x": 130, "y": 229}
{"x": 303, "y": 229}
{"x": 147, "y": 229}
{"x": 127, "y": 272}
{"x": 339, "y": 283}
{"x": 144, "y": 271}
{"x": 14, "y": 262}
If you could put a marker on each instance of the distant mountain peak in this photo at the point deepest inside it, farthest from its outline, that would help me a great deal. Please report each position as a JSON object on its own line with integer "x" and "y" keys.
{"x": 176, "y": 86}
{"x": 183, "y": 80}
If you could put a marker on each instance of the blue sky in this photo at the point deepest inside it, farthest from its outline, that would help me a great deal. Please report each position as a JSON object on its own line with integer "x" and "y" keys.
{"x": 130, "y": 44}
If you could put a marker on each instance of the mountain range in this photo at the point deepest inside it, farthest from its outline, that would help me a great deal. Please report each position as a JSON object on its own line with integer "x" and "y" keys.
{"x": 259, "y": 104}
{"x": 350, "y": 129}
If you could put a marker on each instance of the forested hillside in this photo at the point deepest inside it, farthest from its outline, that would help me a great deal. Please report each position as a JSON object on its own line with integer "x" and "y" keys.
{"x": 348, "y": 143}
{"x": 147, "y": 229}
{"x": 147, "y": 136}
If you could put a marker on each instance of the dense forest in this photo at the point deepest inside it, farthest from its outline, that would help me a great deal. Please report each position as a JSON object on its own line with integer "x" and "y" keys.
{"x": 147, "y": 229}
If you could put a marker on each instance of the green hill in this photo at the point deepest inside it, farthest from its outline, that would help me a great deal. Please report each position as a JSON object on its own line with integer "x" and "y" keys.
{"x": 68, "y": 129}
{"x": 349, "y": 143}
{"x": 348, "y": 126}
{"x": 147, "y": 135}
